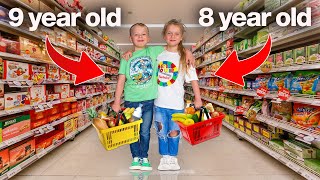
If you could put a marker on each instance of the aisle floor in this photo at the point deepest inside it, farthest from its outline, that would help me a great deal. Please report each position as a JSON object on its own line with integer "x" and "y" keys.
{"x": 223, "y": 158}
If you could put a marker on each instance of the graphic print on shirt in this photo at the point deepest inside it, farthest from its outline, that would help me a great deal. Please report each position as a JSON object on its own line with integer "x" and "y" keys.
{"x": 167, "y": 73}
{"x": 141, "y": 70}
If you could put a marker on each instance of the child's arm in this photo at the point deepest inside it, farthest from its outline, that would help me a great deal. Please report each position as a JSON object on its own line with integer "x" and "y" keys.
{"x": 127, "y": 55}
{"x": 120, "y": 86}
{"x": 190, "y": 58}
{"x": 196, "y": 91}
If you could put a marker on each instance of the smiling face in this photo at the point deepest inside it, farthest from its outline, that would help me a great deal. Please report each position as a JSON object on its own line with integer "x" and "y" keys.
{"x": 173, "y": 35}
{"x": 139, "y": 36}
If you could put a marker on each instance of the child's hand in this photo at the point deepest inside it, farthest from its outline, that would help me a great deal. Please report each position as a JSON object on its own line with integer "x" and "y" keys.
{"x": 127, "y": 55}
{"x": 197, "y": 103}
{"x": 190, "y": 58}
{"x": 116, "y": 107}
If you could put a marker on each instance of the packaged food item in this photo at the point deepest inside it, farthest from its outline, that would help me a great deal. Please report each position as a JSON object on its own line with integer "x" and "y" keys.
{"x": 288, "y": 57}
{"x": 44, "y": 32}
{"x": 20, "y": 152}
{"x": 14, "y": 126}
{"x": 11, "y": 45}
{"x": 31, "y": 48}
{"x": 261, "y": 81}
{"x": 63, "y": 89}
{"x": 282, "y": 111}
{"x": 306, "y": 82}
{"x": 53, "y": 72}
{"x": 61, "y": 36}
{"x": 16, "y": 71}
{"x": 38, "y": 74}
{"x": 37, "y": 94}
{"x": 16, "y": 100}
{"x": 247, "y": 101}
{"x": 253, "y": 111}
{"x": 4, "y": 160}
{"x": 299, "y": 150}
{"x": 262, "y": 35}
{"x": 267, "y": 135}
{"x": 279, "y": 80}
{"x": 279, "y": 59}
{"x": 278, "y": 144}
{"x": 300, "y": 55}
{"x": 306, "y": 115}
{"x": 265, "y": 109}
{"x": 313, "y": 53}
{"x": 4, "y": 14}
{"x": 268, "y": 64}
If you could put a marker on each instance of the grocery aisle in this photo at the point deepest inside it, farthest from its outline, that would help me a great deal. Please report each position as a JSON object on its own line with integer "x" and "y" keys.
{"x": 222, "y": 158}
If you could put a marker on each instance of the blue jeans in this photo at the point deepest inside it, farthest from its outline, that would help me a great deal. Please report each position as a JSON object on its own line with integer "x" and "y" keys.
{"x": 140, "y": 149}
{"x": 164, "y": 125}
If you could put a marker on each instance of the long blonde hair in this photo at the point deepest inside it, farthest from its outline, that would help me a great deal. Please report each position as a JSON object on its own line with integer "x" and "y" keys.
{"x": 181, "y": 49}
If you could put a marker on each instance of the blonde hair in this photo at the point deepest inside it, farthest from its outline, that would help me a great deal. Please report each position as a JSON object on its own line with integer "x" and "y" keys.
{"x": 138, "y": 24}
{"x": 181, "y": 49}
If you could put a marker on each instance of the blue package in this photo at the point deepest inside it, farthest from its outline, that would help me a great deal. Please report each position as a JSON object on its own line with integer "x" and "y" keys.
{"x": 279, "y": 80}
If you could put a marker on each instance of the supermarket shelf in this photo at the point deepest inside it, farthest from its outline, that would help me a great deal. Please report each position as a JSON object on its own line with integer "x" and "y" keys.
{"x": 112, "y": 91}
{"x": 18, "y": 3}
{"x": 218, "y": 46}
{"x": 14, "y": 140}
{"x": 232, "y": 108}
{"x": 15, "y": 111}
{"x": 243, "y": 33}
{"x": 110, "y": 101}
{"x": 255, "y": 5}
{"x": 206, "y": 76}
{"x": 302, "y": 36}
{"x": 89, "y": 96}
{"x": 112, "y": 82}
{"x": 287, "y": 126}
{"x": 301, "y": 98}
{"x": 40, "y": 154}
{"x": 295, "y": 165}
{"x": 210, "y": 62}
{"x": 8, "y": 56}
{"x": 18, "y": 31}
{"x": 305, "y": 66}
{"x": 204, "y": 42}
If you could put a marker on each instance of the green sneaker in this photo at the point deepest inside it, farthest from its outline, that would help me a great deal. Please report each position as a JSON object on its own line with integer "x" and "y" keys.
{"x": 135, "y": 164}
{"x": 145, "y": 165}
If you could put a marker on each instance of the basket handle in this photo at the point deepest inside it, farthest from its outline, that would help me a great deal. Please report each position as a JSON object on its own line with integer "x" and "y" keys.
{"x": 205, "y": 111}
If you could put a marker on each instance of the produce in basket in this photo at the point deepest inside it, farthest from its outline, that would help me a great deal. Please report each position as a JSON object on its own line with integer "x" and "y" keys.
{"x": 100, "y": 124}
{"x": 185, "y": 119}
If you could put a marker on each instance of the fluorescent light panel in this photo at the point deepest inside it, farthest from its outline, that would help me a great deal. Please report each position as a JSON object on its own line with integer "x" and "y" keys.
{"x": 154, "y": 44}
{"x": 161, "y": 25}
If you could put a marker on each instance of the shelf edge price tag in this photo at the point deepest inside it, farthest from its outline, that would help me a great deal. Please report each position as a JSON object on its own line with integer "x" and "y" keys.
{"x": 240, "y": 110}
{"x": 284, "y": 94}
{"x": 262, "y": 91}
{"x": 11, "y": 141}
{"x": 14, "y": 171}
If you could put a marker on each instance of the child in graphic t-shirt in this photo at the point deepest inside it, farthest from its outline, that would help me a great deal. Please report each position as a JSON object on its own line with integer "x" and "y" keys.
{"x": 138, "y": 79}
{"x": 172, "y": 73}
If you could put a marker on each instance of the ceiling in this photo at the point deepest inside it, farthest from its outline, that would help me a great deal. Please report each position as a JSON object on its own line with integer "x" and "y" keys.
{"x": 157, "y": 12}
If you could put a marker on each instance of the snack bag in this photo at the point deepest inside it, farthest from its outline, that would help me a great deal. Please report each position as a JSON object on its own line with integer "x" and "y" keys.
{"x": 247, "y": 101}
{"x": 306, "y": 115}
{"x": 306, "y": 82}
{"x": 279, "y": 80}
{"x": 261, "y": 81}
{"x": 253, "y": 111}
{"x": 282, "y": 111}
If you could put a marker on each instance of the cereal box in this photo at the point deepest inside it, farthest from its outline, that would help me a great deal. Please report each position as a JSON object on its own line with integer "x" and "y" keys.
{"x": 15, "y": 100}
{"x": 20, "y": 152}
{"x": 38, "y": 74}
{"x": 16, "y": 71}
{"x": 15, "y": 126}
{"x": 37, "y": 94}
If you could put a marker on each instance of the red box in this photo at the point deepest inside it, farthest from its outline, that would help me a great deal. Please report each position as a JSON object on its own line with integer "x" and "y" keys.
{"x": 74, "y": 110}
{"x": 38, "y": 123}
{"x": 37, "y": 115}
{"x": 52, "y": 97}
{"x": 57, "y": 136}
{"x": 9, "y": 46}
{"x": 4, "y": 165}
{"x": 20, "y": 152}
{"x": 74, "y": 105}
{"x": 65, "y": 113}
{"x": 54, "y": 117}
{"x": 65, "y": 106}
{"x": 54, "y": 110}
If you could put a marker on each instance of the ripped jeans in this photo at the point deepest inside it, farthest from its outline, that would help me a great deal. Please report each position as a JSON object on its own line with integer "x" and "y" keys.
{"x": 168, "y": 131}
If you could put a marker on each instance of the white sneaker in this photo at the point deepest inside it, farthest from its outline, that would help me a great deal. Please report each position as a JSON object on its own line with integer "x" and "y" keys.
{"x": 173, "y": 163}
{"x": 163, "y": 166}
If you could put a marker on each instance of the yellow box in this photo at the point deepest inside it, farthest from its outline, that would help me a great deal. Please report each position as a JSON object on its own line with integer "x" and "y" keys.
{"x": 248, "y": 125}
{"x": 256, "y": 128}
{"x": 242, "y": 128}
{"x": 236, "y": 125}
{"x": 249, "y": 131}
{"x": 241, "y": 122}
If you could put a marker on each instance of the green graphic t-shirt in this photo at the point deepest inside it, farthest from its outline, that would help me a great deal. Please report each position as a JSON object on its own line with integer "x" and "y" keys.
{"x": 141, "y": 74}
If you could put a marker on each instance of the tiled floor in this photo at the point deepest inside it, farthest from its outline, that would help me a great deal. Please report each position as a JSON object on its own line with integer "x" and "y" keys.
{"x": 222, "y": 158}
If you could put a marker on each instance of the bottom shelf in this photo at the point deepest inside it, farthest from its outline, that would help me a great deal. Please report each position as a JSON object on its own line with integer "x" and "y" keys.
{"x": 285, "y": 159}
{"x": 40, "y": 154}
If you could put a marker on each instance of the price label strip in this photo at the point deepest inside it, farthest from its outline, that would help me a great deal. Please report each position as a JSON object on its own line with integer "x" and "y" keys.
{"x": 14, "y": 171}
{"x": 42, "y": 153}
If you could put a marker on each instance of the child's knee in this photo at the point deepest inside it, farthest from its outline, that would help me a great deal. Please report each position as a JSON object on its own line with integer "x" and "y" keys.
{"x": 174, "y": 133}
{"x": 159, "y": 128}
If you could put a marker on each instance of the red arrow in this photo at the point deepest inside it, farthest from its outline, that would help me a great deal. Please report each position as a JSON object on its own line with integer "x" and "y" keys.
{"x": 233, "y": 70}
{"x": 85, "y": 69}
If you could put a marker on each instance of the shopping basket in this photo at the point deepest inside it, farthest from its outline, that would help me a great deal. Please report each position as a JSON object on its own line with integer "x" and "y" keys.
{"x": 202, "y": 131}
{"x": 120, "y": 135}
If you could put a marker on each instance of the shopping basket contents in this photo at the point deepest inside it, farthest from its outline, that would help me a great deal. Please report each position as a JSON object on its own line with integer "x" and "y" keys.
{"x": 117, "y": 129}
{"x": 202, "y": 125}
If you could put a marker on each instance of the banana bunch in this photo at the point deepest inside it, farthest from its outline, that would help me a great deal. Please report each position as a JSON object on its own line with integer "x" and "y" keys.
{"x": 128, "y": 112}
{"x": 185, "y": 119}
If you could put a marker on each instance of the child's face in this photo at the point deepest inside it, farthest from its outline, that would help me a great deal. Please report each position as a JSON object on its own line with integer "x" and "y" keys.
{"x": 139, "y": 36}
{"x": 173, "y": 35}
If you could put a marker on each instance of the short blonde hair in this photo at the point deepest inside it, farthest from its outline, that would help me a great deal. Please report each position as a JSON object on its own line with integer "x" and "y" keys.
{"x": 138, "y": 24}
